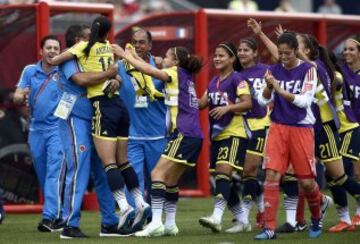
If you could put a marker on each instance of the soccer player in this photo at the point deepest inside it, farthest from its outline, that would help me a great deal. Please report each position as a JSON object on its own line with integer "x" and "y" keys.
{"x": 2, "y": 211}
{"x": 257, "y": 120}
{"x": 227, "y": 96}
{"x": 82, "y": 159}
{"x": 350, "y": 70}
{"x": 290, "y": 85}
{"x": 110, "y": 122}
{"x": 325, "y": 131}
{"x": 147, "y": 119}
{"x": 39, "y": 84}
{"x": 185, "y": 139}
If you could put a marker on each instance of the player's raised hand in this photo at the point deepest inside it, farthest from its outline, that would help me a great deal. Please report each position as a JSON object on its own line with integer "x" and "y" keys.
{"x": 254, "y": 25}
{"x": 269, "y": 79}
{"x": 118, "y": 51}
{"x": 279, "y": 30}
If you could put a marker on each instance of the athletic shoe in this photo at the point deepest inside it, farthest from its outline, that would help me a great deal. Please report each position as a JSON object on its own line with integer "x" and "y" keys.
{"x": 260, "y": 220}
{"x": 210, "y": 222}
{"x": 2, "y": 216}
{"x": 342, "y": 226}
{"x": 141, "y": 216}
{"x": 326, "y": 202}
{"x": 239, "y": 227}
{"x": 126, "y": 218}
{"x": 171, "y": 230}
{"x": 113, "y": 231}
{"x": 285, "y": 228}
{"x": 45, "y": 225}
{"x": 300, "y": 227}
{"x": 152, "y": 230}
{"x": 72, "y": 232}
{"x": 57, "y": 225}
{"x": 315, "y": 229}
{"x": 266, "y": 234}
{"x": 356, "y": 220}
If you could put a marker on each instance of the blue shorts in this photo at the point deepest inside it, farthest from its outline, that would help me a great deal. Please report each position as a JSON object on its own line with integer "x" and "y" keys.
{"x": 183, "y": 149}
{"x": 110, "y": 118}
{"x": 256, "y": 143}
{"x": 327, "y": 143}
{"x": 350, "y": 144}
{"x": 230, "y": 151}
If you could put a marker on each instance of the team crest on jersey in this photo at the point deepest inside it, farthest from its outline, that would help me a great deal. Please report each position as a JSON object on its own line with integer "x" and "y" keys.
{"x": 242, "y": 85}
{"x": 82, "y": 148}
{"x": 55, "y": 77}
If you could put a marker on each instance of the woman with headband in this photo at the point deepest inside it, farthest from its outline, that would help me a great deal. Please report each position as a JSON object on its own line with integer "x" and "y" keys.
{"x": 185, "y": 140}
{"x": 257, "y": 120}
{"x": 351, "y": 72}
{"x": 228, "y": 97}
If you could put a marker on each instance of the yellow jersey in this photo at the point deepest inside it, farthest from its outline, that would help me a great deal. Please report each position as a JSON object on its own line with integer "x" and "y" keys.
{"x": 100, "y": 57}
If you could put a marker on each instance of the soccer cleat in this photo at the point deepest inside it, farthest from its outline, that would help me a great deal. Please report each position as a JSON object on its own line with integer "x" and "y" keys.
{"x": 342, "y": 226}
{"x": 260, "y": 220}
{"x": 45, "y": 225}
{"x": 141, "y": 216}
{"x": 266, "y": 234}
{"x": 171, "y": 230}
{"x": 211, "y": 222}
{"x": 326, "y": 202}
{"x": 285, "y": 228}
{"x": 71, "y": 233}
{"x": 126, "y": 218}
{"x": 300, "y": 227}
{"x": 315, "y": 229}
{"x": 151, "y": 229}
{"x": 2, "y": 216}
{"x": 356, "y": 220}
{"x": 113, "y": 231}
{"x": 57, "y": 225}
{"x": 239, "y": 227}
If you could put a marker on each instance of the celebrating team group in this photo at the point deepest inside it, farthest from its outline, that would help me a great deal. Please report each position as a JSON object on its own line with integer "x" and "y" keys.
{"x": 130, "y": 121}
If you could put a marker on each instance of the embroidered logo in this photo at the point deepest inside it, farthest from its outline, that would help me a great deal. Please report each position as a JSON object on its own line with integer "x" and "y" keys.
{"x": 82, "y": 148}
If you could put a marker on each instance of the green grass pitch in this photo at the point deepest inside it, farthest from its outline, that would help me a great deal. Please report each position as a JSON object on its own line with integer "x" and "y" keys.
{"x": 22, "y": 229}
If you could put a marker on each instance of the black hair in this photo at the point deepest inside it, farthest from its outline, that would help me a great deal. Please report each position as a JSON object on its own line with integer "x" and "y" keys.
{"x": 99, "y": 30}
{"x": 191, "y": 63}
{"x": 288, "y": 38}
{"x": 148, "y": 33}
{"x": 319, "y": 52}
{"x": 347, "y": 90}
{"x": 49, "y": 37}
{"x": 251, "y": 42}
{"x": 231, "y": 50}
{"x": 71, "y": 33}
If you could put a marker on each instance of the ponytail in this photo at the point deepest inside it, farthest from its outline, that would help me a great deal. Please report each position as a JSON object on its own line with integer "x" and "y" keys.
{"x": 329, "y": 65}
{"x": 99, "y": 31}
{"x": 93, "y": 38}
{"x": 191, "y": 63}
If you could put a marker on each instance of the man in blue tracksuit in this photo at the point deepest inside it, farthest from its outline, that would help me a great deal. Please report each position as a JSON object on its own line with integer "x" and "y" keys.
{"x": 147, "y": 118}
{"x": 81, "y": 155}
{"x": 39, "y": 84}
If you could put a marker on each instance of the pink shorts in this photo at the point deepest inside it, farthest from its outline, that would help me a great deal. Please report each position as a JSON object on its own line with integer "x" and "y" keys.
{"x": 290, "y": 145}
